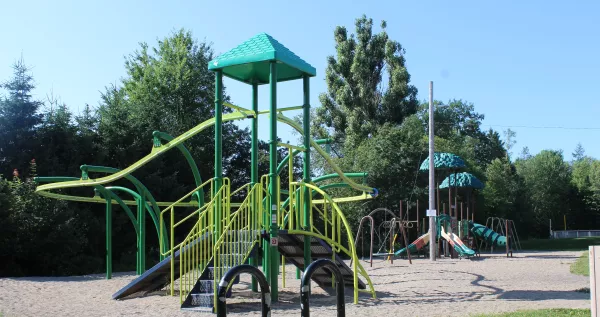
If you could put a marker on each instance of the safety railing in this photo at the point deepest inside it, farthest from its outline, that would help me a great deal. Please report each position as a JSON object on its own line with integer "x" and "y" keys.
{"x": 196, "y": 246}
{"x": 329, "y": 227}
{"x": 238, "y": 236}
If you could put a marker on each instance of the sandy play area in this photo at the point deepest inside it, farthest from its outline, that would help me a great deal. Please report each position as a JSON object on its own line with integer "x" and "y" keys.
{"x": 448, "y": 287}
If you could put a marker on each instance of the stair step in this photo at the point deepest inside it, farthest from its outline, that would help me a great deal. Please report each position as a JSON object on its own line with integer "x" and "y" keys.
{"x": 231, "y": 259}
{"x": 202, "y": 300}
{"x": 206, "y": 286}
{"x": 244, "y": 235}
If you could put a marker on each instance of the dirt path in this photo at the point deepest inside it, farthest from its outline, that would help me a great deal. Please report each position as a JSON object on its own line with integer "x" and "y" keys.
{"x": 447, "y": 287}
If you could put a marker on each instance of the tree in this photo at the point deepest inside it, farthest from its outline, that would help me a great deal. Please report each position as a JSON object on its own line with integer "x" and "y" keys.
{"x": 525, "y": 153}
{"x": 18, "y": 119}
{"x": 47, "y": 237}
{"x": 456, "y": 118}
{"x": 168, "y": 88}
{"x": 358, "y": 99}
{"x": 391, "y": 158}
{"x": 582, "y": 172}
{"x": 546, "y": 180}
{"x": 56, "y": 152}
{"x": 579, "y": 152}
{"x": 459, "y": 125}
{"x": 509, "y": 137}
{"x": 501, "y": 190}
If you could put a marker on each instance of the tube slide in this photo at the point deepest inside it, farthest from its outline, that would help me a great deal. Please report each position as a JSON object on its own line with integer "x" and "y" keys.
{"x": 488, "y": 235}
{"x": 417, "y": 245}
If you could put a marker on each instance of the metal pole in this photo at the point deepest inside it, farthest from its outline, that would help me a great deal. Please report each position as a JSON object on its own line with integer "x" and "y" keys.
{"x": 142, "y": 229}
{"x": 432, "y": 229}
{"x": 306, "y": 171}
{"x": 254, "y": 171}
{"x": 474, "y": 203}
{"x": 108, "y": 237}
{"x": 218, "y": 149}
{"x": 273, "y": 258}
{"x": 450, "y": 197}
{"x": 418, "y": 227}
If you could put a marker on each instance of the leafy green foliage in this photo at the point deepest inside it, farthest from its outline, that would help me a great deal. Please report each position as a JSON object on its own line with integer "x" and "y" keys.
{"x": 501, "y": 190}
{"x": 18, "y": 119}
{"x": 546, "y": 181}
{"x": 359, "y": 100}
{"x": 45, "y": 236}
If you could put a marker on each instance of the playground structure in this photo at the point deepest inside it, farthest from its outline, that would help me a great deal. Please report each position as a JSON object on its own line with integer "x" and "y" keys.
{"x": 499, "y": 232}
{"x": 454, "y": 228}
{"x": 389, "y": 229}
{"x": 259, "y": 223}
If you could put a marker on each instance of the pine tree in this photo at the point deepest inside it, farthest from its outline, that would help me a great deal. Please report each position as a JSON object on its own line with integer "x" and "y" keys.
{"x": 19, "y": 118}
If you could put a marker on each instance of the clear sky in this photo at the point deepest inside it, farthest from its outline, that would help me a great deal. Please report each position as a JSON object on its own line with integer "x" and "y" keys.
{"x": 524, "y": 64}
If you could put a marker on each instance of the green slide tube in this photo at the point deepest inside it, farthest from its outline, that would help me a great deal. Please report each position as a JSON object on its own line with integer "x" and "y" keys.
{"x": 488, "y": 235}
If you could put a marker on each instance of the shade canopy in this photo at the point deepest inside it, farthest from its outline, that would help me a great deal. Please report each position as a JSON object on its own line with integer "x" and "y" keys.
{"x": 464, "y": 179}
{"x": 250, "y": 61}
{"x": 443, "y": 161}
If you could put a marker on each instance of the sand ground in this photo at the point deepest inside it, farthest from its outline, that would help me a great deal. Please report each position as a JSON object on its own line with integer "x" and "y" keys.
{"x": 448, "y": 287}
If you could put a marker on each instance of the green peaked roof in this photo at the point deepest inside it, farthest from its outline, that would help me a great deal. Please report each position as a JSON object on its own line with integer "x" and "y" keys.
{"x": 249, "y": 61}
{"x": 443, "y": 161}
{"x": 462, "y": 180}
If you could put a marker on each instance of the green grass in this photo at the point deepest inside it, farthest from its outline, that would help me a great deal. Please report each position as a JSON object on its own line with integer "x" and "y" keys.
{"x": 574, "y": 244}
{"x": 544, "y": 313}
{"x": 582, "y": 265}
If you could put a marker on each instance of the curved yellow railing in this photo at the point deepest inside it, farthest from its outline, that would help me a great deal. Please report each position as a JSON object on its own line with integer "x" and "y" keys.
{"x": 157, "y": 151}
{"x": 328, "y": 159}
{"x": 333, "y": 224}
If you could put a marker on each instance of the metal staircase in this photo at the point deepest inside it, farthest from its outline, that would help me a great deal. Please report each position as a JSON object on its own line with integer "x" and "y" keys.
{"x": 202, "y": 296}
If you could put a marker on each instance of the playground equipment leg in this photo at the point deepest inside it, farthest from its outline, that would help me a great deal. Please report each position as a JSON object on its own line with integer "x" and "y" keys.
{"x": 306, "y": 170}
{"x": 108, "y": 238}
{"x": 254, "y": 167}
{"x": 273, "y": 254}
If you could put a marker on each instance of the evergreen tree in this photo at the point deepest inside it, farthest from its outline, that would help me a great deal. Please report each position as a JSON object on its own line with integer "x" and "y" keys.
{"x": 19, "y": 118}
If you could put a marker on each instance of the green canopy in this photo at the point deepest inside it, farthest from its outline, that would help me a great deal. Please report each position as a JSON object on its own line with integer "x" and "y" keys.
{"x": 463, "y": 179}
{"x": 443, "y": 161}
{"x": 250, "y": 61}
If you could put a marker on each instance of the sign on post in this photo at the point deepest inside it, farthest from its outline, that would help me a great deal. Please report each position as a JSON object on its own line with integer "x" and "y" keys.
{"x": 274, "y": 242}
{"x": 431, "y": 213}
{"x": 595, "y": 279}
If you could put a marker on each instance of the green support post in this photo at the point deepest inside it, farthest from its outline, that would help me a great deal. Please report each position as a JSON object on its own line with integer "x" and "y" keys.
{"x": 273, "y": 256}
{"x": 306, "y": 172}
{"x": 218, "y": 149}
{"x": 254, "y": 169}
{"x": 142, "y": 242}
{"x": 108, "y": 237}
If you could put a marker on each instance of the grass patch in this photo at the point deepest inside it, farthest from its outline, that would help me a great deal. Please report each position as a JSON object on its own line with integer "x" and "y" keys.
{"x": 573, "y": 244}
{"x": 544, "y": 313}
{"x": 582, "y": 265}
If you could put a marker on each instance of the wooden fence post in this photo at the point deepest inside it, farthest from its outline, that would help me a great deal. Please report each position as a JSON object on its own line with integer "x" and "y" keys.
{"x": 595, "y": 279}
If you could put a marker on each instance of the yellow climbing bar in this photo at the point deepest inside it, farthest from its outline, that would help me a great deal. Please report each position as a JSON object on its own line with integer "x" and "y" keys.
{"x": 293, "y": 147}
{"x": 345, "y": 199}
{"x": 327, "y": 158}
{"x": 240, "y": 109}
{"x": 157, "y": 151}
{"x": 282, "y": 109}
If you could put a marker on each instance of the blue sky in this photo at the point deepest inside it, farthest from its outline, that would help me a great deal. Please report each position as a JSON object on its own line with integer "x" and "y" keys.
{"x": 524, "y": 64}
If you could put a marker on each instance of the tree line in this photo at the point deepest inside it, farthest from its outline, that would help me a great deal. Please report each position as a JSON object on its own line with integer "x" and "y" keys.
{"x": 370, "y": 110}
